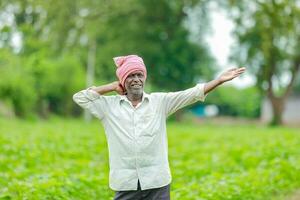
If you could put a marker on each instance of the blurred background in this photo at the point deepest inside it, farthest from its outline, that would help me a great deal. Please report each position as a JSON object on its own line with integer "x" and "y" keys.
{"x": 51, "y": 49}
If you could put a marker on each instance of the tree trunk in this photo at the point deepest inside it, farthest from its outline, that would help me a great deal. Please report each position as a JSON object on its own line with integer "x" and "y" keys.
{"x": 90, "y": 73}
{"x": 178, "y": 115}
{"x": 277, "y": 104}
{"x": 43, "y": 108}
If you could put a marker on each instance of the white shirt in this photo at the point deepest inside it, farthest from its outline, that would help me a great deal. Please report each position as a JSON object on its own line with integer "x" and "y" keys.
{"x": 136, "y": 136}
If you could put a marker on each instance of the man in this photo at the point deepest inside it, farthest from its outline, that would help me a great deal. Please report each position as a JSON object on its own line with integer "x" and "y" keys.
{"x": 135, "y": 127}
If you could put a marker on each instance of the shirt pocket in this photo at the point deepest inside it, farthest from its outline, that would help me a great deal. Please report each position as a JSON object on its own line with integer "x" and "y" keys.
{"x": 121, "y": 120}
{"x": 149, "y": 124}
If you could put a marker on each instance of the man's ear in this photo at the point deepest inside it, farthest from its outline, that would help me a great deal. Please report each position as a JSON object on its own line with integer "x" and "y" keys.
{"x": 124, "y": 90}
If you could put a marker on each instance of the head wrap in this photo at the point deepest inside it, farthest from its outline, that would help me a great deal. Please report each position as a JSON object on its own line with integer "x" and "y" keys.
{"x": 127, "y": 65}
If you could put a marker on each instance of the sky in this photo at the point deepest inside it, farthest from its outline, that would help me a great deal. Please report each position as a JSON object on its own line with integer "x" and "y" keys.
{"x": 220, "y": 43}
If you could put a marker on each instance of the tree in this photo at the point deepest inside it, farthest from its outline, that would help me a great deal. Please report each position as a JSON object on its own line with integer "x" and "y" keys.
{"x": 156, "y": 31}
{"x": 268, "y": 43}
{"x": 41, "y": 56}
{"x": 56, "y": 35}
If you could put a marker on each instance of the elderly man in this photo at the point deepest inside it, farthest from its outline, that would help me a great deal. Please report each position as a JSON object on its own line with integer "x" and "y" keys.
{"x": 135, "y": 127}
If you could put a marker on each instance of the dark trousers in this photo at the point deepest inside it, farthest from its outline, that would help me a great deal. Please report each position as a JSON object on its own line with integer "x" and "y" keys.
{"x": 162, "y": 193}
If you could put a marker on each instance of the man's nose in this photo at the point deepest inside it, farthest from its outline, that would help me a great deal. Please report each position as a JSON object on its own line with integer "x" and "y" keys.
{"x": 136, "y": 78}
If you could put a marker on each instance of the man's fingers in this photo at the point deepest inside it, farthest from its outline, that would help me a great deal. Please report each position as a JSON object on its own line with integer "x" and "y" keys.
{"x": 237, "y": 70}
{"x": 240, "y": 70}
{"x": 233, "y": 69}
{"x": 238, "y": 74}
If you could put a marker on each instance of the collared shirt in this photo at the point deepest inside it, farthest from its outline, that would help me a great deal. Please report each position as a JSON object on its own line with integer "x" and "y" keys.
{"x": 137, "y": 136}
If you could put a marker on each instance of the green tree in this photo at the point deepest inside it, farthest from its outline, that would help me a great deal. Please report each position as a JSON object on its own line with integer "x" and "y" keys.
{"x": 16, "y": 84}
{"x": 268, "y": 43}
{"x": 89, "y": 33}
{"x": 156, "y": 31}
{"x": 53, "y": 72}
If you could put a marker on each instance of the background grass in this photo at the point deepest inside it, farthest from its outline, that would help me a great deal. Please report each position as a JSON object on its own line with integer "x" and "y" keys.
{"x": 68, "y": 159}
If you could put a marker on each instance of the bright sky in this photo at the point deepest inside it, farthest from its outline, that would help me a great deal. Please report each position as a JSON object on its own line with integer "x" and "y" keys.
{"x": 220, "y": 43}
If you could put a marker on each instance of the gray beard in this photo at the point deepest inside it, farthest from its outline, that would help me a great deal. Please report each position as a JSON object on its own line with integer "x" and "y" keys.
{"x": 135, "y": 94}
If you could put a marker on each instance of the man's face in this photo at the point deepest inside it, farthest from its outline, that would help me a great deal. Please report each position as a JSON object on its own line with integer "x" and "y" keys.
{"x": 134, "y": 83}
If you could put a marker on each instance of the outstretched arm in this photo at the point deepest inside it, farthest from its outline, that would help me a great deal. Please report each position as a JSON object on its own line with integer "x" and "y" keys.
{"x": 224, "y": 77}
{"x": 173, "y": 101}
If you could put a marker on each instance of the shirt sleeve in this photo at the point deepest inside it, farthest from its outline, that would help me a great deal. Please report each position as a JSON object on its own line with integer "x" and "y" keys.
{"x": 90, "y": 100}
{"x": 174, "y": 101}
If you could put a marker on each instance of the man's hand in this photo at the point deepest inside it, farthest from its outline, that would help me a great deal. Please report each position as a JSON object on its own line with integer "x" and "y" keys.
{"x": 226, "y": 76}
{"x": 111, "y": 87}
{"x": 118, "y": 88}
{"x": 231, "y": 74}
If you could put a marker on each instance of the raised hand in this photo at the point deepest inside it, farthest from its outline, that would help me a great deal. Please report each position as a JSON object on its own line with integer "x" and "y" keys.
{"x": 231, "y": 74}
{"x": 118, "y": 88}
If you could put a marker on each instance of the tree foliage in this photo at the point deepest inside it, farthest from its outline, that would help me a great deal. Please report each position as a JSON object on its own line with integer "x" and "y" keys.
{"x": 54, "y": 38}
{"x": 268, "y": 43}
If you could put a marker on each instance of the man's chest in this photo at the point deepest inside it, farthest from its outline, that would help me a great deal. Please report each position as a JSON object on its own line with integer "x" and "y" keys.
{"x": 144, "y": 118}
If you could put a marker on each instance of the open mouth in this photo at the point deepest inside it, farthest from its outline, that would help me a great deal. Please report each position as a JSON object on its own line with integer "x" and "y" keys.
{"x": 136, "y": 85}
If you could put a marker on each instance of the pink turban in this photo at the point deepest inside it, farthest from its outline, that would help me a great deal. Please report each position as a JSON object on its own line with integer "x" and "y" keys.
{"x": 127, "y": 65}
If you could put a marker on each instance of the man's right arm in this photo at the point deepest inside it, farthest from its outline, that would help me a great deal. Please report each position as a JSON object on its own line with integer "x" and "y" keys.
{"x": 92, "y": 98}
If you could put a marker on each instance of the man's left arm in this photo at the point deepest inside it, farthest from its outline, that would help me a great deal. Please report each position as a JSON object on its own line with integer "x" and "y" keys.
{"x": 173, "y": 101}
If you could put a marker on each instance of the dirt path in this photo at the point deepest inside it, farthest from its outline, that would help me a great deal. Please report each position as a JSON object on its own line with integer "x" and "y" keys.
{"x": 294, "y": 196}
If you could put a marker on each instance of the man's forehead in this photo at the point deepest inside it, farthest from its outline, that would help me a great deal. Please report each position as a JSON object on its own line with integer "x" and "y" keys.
{"x": 136, "y": 72}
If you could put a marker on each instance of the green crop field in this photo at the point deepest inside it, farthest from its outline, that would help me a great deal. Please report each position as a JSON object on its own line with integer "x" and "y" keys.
{"x": 68, "y": 159}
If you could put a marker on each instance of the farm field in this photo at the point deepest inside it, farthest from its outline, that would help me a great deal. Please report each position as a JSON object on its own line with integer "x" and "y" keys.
{"x": 68, "y": 159}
